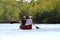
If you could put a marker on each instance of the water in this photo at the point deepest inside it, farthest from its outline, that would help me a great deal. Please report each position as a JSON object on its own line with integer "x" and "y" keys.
{"x": 46, "y": 32}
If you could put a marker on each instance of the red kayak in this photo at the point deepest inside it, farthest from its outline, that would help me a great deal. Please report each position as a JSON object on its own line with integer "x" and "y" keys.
{"x": 26, "y": 27}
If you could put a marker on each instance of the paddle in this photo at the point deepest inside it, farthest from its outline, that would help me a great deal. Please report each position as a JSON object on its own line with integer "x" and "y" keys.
{"x": 37, "y": 27}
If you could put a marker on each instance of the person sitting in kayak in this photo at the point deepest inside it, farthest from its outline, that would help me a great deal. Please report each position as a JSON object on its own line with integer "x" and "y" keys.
{"x": 23, "y": 21}
{"x": 28, "y": 21}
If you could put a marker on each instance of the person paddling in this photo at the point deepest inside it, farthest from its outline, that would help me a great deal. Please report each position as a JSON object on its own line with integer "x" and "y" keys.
{"x": 28, "y": 21}
{"x": 23, "y": 21}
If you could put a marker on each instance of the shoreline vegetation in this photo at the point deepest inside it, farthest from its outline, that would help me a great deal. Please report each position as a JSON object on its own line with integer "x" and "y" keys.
{"x": 12, "y": 22}
{"x": 42, "y": 11}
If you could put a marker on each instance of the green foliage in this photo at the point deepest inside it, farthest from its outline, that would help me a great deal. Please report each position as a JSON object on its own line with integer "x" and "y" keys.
{"x": 42, "y": 11}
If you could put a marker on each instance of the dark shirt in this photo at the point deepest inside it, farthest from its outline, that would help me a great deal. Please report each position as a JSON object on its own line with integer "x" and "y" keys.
{"x": 23, "y": 22}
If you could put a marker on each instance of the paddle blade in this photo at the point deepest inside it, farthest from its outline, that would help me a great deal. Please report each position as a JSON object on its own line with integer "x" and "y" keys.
{"x": 37, "y": 27}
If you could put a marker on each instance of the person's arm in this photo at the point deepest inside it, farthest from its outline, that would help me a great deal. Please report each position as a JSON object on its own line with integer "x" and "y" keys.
{"x": 31, "y": 21}
{"x": 20, "y": 22}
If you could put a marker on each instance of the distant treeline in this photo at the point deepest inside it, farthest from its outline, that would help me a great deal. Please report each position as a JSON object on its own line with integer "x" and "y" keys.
{"x": 42, "y": 11}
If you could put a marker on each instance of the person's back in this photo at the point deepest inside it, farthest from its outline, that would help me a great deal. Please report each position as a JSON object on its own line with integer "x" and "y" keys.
{"x": 23, "y": 22}
{"x": 28, "y": 21}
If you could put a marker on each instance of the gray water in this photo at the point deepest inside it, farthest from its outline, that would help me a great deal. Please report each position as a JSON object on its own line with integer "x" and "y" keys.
{"x": 46, "y": 32}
